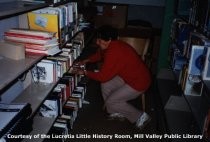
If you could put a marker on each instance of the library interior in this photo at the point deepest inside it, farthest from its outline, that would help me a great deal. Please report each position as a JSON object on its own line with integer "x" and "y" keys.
{"x": 104, "y": 70}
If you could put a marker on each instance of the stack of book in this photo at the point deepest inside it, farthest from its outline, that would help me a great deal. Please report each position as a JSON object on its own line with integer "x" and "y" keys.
{"x": 63, "y": 104}
{"x": 36, "y": 42}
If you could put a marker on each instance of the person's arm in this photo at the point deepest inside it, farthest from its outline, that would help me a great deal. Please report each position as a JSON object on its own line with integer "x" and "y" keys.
{"x": 82, "y": 62}
{"x": 107, "y": 71}
{"x": 91, "y": 59}
{"x": 95, "y": 57}
{"x": 110, "y": 68}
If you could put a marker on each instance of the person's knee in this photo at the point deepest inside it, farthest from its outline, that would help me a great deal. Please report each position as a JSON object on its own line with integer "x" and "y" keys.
{"x": 105, "y": 91}
{"x": 110, "y": 102}
{"x": 114, "y": 102}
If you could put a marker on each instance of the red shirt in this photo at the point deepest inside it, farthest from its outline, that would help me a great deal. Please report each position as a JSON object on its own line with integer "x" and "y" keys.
{"x": 122, "y": 60}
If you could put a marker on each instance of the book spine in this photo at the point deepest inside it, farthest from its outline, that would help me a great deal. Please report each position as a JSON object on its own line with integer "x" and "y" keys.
{"x": 27, "y": 36}
{"x": 36, "y": 47}
{"x": 36, "y": 51}
{"x": 28, "y": 40}
{"x": 32, "y": 32}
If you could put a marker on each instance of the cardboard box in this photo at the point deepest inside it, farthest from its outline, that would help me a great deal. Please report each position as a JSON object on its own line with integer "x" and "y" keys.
{"x": 12, "y": 50}
{"x": 110, "y": 14}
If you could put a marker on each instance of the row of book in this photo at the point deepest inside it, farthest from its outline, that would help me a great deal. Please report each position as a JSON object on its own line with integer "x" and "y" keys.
{"x": 65, "y": 121}
{"x": 52, "y": 68}
{"x": 65, "y": 100}
{"x": 63, "y": 104}
{"x": 69, "y": 94}
{"x": 190, "y": 57}
{"x": 61, "y": 20}
{"x": 180, "y": 32}
{"x": 199, "y": 15}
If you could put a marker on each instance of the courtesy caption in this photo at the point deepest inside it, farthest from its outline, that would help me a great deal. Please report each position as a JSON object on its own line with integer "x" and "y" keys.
{"x": 106, "y": 136}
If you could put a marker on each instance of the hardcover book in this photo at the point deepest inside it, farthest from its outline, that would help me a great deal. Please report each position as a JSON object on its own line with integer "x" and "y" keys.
{"x": 45, "y": 71}
{"x": 44, "y": 22}
{"x": 196, "y": 60}
{"x": 50, "y": 51}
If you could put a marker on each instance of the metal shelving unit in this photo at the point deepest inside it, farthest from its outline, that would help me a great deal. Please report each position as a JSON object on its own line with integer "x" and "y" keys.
{"x": 9, "y": 74}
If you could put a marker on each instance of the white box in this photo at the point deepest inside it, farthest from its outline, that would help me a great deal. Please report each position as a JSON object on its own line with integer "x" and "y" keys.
{"x": 196, "y": 60}
{"x": 12, "y": 50}
{"x": 193, "y": 86}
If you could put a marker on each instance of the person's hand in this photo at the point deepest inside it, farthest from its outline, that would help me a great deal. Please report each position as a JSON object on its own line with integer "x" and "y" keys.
{"x": 78, "y": 71}
{"x": 80, "y": 63}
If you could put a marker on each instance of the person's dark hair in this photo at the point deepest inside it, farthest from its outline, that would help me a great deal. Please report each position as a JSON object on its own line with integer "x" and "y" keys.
{"x": 107, "y": 32}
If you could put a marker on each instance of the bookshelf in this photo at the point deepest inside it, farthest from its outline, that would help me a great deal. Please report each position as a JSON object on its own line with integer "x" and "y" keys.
{"x": 35, "y": 94}
{"x": 190, "y": 24}
{"x": 13, "y": 71}
{"x": 9, "y": 74}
